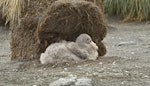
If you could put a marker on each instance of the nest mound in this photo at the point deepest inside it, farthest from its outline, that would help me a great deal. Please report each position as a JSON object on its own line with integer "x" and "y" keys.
{"x": 66, "y": 19}
{"x": 36, "y": 7}
{"x": 23, "y": 39}
{"x": 2, "y": 20}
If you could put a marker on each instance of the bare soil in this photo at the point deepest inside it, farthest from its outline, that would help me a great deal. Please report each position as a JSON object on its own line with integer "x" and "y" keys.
{"x": 127, "y": 62}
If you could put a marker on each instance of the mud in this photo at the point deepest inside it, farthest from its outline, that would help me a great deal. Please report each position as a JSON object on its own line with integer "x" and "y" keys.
{"x": 127, "y": 62}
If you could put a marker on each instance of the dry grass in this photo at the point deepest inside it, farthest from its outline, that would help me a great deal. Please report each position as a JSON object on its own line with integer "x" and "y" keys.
{"x": 11, "y": 9}
{"x": 136, "y": 10}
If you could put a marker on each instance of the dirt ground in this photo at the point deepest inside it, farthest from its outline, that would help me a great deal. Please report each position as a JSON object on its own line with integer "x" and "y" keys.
{"x": 127, "y": 62}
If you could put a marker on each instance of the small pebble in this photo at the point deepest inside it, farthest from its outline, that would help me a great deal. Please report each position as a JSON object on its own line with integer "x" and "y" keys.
{"x": 65, "y": 68}
{"x": 100, "y": 63}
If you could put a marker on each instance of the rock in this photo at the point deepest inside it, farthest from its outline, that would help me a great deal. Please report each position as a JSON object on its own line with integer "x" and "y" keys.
{"x": 83, "y": 82}
{"x": 100, "y": 63}
{"x": 34, "y": 85}
{"x": 126, "y": 43}
{"x": 72, "y": 81}
{"x": 67, "y": 81}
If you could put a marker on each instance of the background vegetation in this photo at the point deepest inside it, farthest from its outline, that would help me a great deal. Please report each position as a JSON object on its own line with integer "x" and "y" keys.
{"x": 137, "y": 10}
{"x": 129, "y": 10}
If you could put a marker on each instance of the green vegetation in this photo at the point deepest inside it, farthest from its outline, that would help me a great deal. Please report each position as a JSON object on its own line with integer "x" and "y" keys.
{"x": 136, "y": 10}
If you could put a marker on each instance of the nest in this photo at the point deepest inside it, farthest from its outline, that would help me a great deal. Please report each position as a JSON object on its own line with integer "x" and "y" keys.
{"x": 23, "y": 40}
{"x": 2, "y": 20}
{"x": 66, "y": 19}
{"x": 27, "y": 46}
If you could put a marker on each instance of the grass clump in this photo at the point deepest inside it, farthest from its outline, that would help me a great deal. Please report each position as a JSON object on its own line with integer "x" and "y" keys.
{"x": 137, "y": 10}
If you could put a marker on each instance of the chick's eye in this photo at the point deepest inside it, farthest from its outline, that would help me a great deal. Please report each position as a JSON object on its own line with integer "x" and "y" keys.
{"x": 88, "y": 40}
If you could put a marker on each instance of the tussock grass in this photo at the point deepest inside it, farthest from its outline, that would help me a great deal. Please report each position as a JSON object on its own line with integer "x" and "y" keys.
{"x": 11, "y": 9}
{"x": 136, "y": 10}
